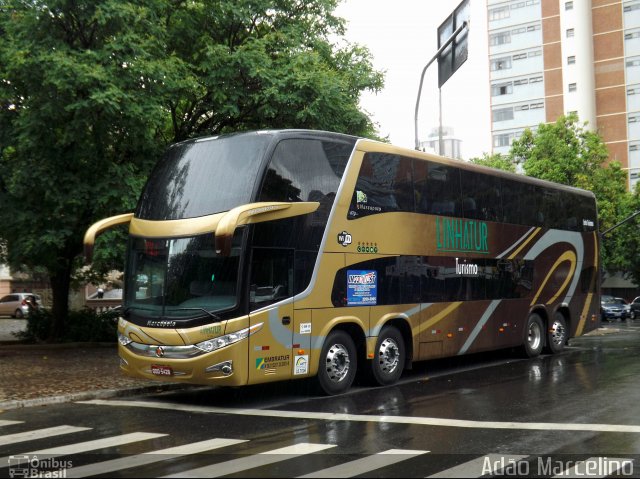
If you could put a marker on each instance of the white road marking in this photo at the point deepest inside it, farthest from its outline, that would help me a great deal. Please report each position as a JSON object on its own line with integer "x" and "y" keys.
{"x": 10, "y": 423}
{"x": 258, "y": 460}
{"x": 367, "y": 464}
{"x": 417, "y": 421}
{"x": 89, "y": 445}
{"x": 39, "y": 434}
{"x": 150, "y": 457}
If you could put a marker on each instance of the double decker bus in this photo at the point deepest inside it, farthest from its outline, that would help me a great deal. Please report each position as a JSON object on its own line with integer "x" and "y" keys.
{"x": 274, "y": 255}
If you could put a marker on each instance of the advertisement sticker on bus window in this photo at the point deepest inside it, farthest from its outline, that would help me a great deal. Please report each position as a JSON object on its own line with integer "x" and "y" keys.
{"x": 362, "y": 288}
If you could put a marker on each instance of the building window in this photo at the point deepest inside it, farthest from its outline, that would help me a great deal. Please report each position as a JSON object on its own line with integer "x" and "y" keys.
{"x": 571, "y": 60}
{"x": 535, "y": 79}
{"x": 498, "y": 13}
{"x": 629, "y": 8}
{"x": 501, "y": 140}
{"x": 520, "y": 56}
{"x": 568, "y": 5}
{"x": 630, "y": 36}
{"x": 500, "y": 38}
{"x": 534, "y": 106}
{"x": 502, "y": 89}
{"x": 524, "y": 81}
{"x": 572, "y": 87}
{"x": 503, "y": 114}
{"x": 501, "y": 64}
{"x": 571, "y": 32}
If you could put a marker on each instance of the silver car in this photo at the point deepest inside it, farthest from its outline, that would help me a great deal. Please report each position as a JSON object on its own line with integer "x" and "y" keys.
{"x": 16, "y": 304}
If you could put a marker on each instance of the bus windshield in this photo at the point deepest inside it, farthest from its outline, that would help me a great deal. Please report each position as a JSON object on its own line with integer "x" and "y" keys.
{"x": 181, "y": 278}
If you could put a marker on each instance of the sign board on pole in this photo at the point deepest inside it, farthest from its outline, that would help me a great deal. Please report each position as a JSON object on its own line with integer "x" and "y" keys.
{"x": 456, "y": 53}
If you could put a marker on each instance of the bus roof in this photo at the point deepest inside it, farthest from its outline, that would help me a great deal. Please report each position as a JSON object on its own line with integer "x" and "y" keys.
{"x": 368, "y": 145}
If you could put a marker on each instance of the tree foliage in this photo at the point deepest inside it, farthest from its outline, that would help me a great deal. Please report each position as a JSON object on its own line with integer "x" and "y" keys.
{"x": 91, "y": 91}
{"x": 496, "y": 160}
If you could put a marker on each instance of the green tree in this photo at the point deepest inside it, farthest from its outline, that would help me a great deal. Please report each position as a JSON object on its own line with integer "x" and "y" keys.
{"x": 91, "y": 91}
{"x": 496, "y": 160}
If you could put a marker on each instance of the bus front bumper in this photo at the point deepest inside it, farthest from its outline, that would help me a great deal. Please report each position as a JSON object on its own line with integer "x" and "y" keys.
{"x": 224, "y": 367}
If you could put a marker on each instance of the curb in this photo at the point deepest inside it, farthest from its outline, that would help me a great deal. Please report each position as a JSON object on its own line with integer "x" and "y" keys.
{"x": 88, "y": 395}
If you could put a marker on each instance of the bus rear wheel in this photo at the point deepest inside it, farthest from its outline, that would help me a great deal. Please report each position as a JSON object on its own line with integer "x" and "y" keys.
{"x": 557, "y": 334}
{"x": 388, "y": 363}
{"x": 338, "y": 363}
{"x": 533, "y": 336}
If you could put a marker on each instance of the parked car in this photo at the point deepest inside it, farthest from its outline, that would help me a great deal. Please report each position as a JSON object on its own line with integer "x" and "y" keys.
{"x": 612, "y": 308}
{"x": 635, "y": 308}
{"x": 16, "y": 305}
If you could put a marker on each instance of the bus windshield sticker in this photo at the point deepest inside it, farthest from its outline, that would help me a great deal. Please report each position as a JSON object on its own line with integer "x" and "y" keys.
{"x": 362, "y": 288}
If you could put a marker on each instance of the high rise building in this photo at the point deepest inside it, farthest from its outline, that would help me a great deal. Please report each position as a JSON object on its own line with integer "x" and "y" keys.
{"x": 553, "y": 57}
{"x": 445, "y": 144}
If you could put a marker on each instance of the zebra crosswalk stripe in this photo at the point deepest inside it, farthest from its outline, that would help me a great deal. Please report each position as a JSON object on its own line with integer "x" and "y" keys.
{"x": 367, "y": 464}
{"x": 89, "y": 445}
{"x": 39, "y": 434}
{"x": 150, "y": 457}
{"x": 9, "y": 423}
{"x": 258, "y": 460}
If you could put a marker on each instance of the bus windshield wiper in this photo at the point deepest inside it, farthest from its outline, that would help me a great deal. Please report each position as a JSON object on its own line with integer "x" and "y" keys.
{"x": 213, "y": 316}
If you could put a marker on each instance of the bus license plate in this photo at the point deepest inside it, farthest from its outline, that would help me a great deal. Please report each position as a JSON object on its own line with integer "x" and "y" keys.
{"x": 161, "y": 370}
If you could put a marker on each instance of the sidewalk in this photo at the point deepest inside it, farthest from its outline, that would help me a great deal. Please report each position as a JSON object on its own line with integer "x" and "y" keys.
{"x": 33, "y": 375}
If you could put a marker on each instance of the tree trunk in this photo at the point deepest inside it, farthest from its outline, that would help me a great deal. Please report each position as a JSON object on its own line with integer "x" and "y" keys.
{"x": 60, "y": 286}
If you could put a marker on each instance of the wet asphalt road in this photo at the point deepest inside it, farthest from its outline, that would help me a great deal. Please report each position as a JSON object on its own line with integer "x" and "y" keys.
{"x": 576, "y": 414}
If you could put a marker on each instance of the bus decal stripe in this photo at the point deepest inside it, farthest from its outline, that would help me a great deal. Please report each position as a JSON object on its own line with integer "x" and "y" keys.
{"x": 440, "y": 316}
{"x": 516, "y": 243}
{"x": 553, "y": 237}
{"x": 476, "y": 331}
{"x": 525, "y": 243}
{"x": 587, "y": 304}
{"x": 567, "y": 256}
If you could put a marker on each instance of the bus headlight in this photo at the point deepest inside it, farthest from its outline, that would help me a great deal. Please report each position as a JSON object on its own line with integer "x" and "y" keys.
{"x": 217, "y": 343}
{"x": 122, "y": 339}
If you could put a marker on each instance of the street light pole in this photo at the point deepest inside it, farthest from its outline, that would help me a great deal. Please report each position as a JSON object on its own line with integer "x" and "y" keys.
{"x": 424, "y": 70}
{"x": 620, "y": 224}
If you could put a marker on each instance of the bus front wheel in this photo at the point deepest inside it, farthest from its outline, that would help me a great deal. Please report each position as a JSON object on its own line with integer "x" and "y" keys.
{"x": 388, "y": 362}
{"x": 533, "y": 336}
{"x": 338, "y": 363}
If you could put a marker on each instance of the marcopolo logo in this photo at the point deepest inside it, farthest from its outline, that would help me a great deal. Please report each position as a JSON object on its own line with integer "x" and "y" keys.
{"x": 460, "y": 235}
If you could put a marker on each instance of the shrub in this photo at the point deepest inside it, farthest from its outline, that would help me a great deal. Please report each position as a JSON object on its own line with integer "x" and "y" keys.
{"x": 85, "y": 325}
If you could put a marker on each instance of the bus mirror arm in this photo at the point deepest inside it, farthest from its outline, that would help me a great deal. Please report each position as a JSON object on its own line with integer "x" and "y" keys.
{"x": 100, "y": 227}
{"x": 256, "y": 213}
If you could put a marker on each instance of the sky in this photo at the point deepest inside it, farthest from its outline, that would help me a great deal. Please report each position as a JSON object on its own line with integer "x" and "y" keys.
{"x": 402, "y": 37}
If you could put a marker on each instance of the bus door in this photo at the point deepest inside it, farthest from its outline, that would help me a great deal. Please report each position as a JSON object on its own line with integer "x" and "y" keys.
{"x": 271, "y": 303}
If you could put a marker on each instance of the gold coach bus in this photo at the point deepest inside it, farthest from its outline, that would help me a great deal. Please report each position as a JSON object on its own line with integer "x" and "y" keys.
{"x": 272, "y": 255}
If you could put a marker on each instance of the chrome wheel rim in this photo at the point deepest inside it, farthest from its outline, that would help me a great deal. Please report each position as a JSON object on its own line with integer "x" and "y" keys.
{"x": 558, "y": 333}
{"x": 534, "y": 338}
{"x": 337, "y": 362}
{"x": 388, "y": 356}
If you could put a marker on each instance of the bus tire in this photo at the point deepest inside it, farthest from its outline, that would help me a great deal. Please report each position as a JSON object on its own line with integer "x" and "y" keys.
{"x": 533, "y": 336}
{"x": 338, "y": 363}
{"x": 557, "y": 334}
{"x": 390, "y": 354}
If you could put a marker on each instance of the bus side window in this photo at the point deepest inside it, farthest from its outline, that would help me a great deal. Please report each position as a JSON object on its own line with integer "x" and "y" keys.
{"x": 271, "y": 276}
{"x": 481, "y": 197}
{"x": 384, "y": 185}
{"x": 437, "y": 189}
